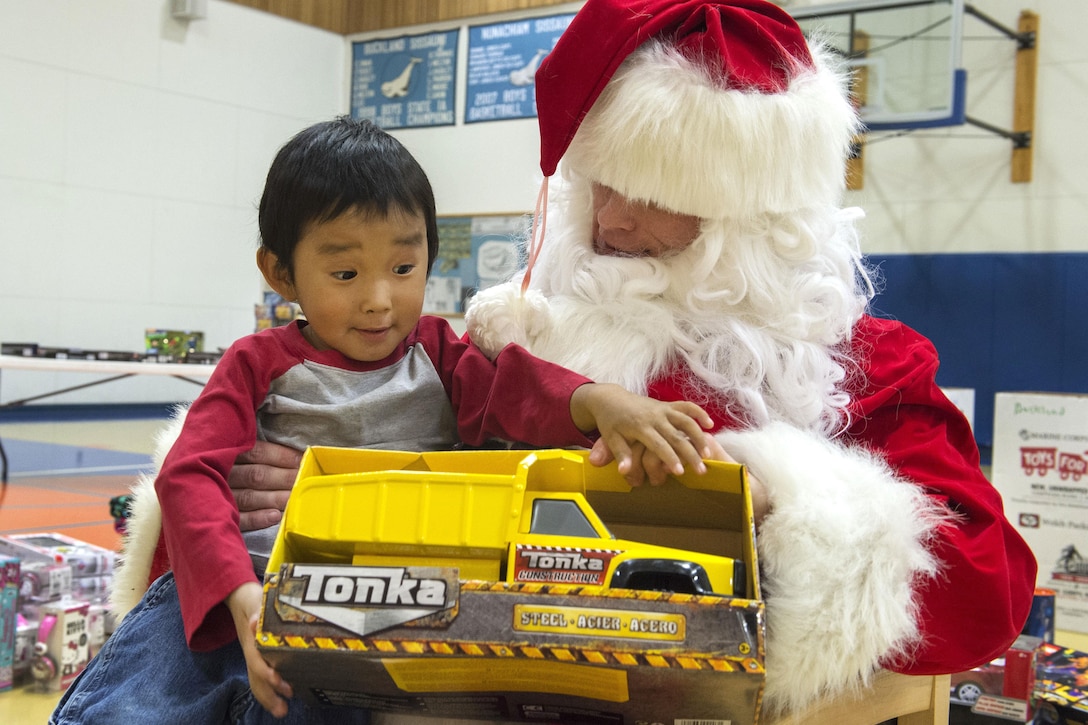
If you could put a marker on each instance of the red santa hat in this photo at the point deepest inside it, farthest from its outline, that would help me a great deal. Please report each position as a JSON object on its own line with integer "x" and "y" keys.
{"x": 714, "y": 109}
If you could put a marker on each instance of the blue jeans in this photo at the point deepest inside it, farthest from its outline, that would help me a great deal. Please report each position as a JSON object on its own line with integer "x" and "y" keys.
{"x": 145, "y": 673}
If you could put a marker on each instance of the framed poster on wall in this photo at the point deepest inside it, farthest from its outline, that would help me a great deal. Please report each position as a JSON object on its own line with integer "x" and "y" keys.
{"x": 474, "y": 252}
{"x": 502, "y": 63}
{"x": 405, "y": 82}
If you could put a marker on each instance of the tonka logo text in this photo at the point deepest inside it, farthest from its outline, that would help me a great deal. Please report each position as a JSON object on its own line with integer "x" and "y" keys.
{"x": 367, "y": 599}
{"x": 390, "y": 586}
{"x": 566, "y": 566}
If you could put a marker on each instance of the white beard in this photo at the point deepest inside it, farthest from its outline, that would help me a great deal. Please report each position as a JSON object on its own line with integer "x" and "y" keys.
{"x": 757, "y": 311}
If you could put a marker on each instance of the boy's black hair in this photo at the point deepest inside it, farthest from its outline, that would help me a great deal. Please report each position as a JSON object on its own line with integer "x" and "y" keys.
{"x": 337, "y": 166}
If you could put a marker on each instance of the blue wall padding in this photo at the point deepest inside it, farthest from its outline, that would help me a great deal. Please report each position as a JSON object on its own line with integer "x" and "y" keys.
{"x": 1000, "y": 322}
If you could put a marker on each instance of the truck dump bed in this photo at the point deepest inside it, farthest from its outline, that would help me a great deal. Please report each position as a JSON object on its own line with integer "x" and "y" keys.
{"x": 338, "y": 513}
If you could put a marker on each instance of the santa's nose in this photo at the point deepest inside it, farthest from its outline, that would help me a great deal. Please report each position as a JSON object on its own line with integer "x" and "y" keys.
{"x": 612, "y": 209}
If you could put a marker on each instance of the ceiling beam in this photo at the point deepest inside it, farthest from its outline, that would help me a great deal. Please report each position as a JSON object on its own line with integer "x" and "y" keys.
{"x": 348, "y": 17}
{"x": 325, "y": 14}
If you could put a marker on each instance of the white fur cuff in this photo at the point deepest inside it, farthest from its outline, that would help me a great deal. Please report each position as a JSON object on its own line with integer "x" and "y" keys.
{"x": 840, "y": 552}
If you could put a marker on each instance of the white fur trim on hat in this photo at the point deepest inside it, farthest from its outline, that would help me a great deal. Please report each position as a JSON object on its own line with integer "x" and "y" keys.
{"x": 665, "y": 130}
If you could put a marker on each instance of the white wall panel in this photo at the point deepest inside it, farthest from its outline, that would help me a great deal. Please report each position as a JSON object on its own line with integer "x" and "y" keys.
{"x": 1061, "y": 148}
{"x": 31, "y": 223}
{"x": 255, "y": 60}
{"x": 35, "y": 31}
{"x": 479, "y": 167}
{"x": 102, "y": 254}
{"x": 193, "y": 153}
{"x": 133, "y": 151}
{"x": 32, "y": 120}
{"x": 111, "y": 135}
{"x": 117, "y": 39}
{"x": 203, "y": 258}
{"x": 259, "y": 137}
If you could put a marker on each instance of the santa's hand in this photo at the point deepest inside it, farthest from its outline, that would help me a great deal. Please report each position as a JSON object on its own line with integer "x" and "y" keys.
{"x": 261, "y": 482}
{"x": 635, "y": 473}
{"x": 500, "y": 315}
{"x": 647, "y": 465}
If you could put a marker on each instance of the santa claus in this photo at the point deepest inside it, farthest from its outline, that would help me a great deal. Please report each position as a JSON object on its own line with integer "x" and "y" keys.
{"x": 693, "y": 246}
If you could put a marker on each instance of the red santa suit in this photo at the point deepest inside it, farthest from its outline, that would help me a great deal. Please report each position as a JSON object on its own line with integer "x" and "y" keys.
{"x": 885, "y": 545}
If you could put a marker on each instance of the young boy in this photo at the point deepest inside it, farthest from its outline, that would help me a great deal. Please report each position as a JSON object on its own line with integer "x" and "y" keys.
{"x": 348, "y": 231}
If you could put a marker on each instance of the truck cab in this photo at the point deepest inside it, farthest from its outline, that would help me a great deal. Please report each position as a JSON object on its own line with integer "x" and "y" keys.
{"x": 562, "y": 540}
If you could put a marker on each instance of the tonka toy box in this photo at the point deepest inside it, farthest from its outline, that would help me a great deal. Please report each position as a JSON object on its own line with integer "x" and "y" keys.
{"x": 1040, "y": 466}
{"x": 526, "y": 585}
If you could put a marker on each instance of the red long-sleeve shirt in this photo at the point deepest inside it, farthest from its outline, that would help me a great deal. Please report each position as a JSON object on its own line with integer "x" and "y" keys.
{"x": 432, "y": 392}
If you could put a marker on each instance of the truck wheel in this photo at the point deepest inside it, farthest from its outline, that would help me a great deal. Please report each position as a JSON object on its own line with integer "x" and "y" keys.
{"x": 968, "y": 692}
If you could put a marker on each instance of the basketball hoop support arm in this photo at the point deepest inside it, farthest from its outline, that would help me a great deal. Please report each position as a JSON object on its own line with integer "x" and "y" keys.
{"x": 1026, "y": 36}
{"x": 1025, "y": 39}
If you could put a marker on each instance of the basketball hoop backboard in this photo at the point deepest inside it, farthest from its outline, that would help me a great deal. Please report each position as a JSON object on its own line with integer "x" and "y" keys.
{"x": 907, "y": 55}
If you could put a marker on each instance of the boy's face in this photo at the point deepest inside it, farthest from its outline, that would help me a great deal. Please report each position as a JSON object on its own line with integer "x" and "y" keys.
{"x": 360, "y": 281}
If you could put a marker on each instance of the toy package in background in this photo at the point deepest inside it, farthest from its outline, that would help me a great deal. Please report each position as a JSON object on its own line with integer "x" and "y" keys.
{"x": 63, "y": 645}
{"x": 1002, "y": 689}
{"x": 173, "y": 345}
{"x": 9, "y": 601}
{"x": 84, "y": 558}
{"x": 275, "y": 311}
{"x": 26, "y": 635}
{"x": 1041, "y": 617}
{"x": 43, "y": 581}
{"x": 62, "y": 588}
{"x": 96, "y": 627}
{"x": 1061, "y": 688}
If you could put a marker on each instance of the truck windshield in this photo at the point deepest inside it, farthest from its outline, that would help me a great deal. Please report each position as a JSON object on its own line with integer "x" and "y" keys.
{"x": 560, "y": 518}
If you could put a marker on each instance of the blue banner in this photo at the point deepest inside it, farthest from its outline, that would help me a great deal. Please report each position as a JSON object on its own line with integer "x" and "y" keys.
{"x": 405, "y": 82}
{"x": 502, "y": 63}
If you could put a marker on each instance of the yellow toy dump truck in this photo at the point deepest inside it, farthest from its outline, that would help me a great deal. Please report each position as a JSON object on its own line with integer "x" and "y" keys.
{"x": 500, "y": 516}
{"x": 491, "y": 580}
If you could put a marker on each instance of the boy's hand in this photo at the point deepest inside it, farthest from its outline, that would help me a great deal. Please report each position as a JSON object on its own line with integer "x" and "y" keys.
{"x": 268, "y": 687}
{"x": 632, "y": 426}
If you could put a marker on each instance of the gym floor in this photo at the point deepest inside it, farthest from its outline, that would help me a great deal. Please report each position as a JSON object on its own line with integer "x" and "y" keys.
{"x": 61, "y": 478}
